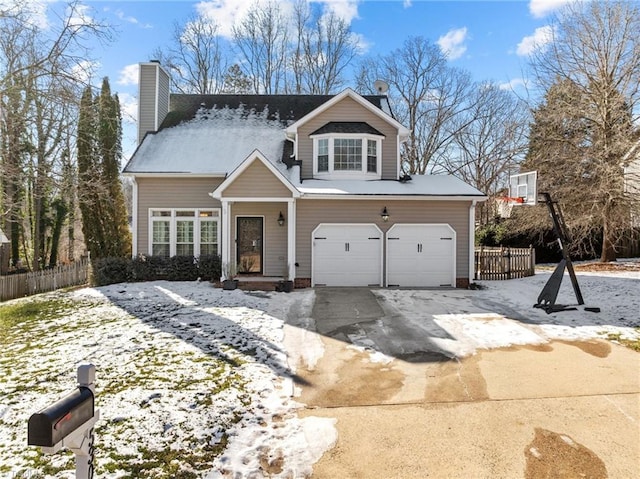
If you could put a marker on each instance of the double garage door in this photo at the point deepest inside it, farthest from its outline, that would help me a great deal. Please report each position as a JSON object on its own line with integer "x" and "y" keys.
{"x": 421, "y": 255}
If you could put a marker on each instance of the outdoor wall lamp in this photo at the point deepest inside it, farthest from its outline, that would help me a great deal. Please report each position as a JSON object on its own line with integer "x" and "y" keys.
{"x": 385, "y": 214}
{"x": 281, "y": 219}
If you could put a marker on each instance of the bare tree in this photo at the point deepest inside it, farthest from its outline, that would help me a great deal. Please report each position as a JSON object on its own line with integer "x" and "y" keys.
{"x": 596, "y": 48}
{"x": 39, "y": 75}
{"x": 261, "y": 40}
{"x": 426, "y": 95}
{"x": 324, "y": 48}
{"x": 490, "y": 139}
{"x": 196, "y": 59}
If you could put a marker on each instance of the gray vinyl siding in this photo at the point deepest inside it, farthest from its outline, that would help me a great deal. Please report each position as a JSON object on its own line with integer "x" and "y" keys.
{"x": 310, "y": 213}
{"x": 275, "y": 236}
{"x": 171, "y": 193}
{"x": 257, "y": 182}
{"x": 349, "y": 110}
{"x": 154, "y": 83}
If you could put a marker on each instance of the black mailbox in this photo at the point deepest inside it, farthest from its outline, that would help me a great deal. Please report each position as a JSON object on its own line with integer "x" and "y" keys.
{"x": 51, "y": 425}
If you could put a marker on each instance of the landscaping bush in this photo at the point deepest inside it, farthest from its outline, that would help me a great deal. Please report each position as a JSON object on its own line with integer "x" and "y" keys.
{"x": 210, "y": 267}
{"x": 111, "y": 270}
{"x": 152, "y": 268}
{"x": 182, "y": 268}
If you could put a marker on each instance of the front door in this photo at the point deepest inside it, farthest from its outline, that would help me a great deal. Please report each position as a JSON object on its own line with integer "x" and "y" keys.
{"x": 249, "y": 246}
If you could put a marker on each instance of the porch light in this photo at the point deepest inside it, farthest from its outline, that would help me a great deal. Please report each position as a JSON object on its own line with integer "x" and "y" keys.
{"x": 385, "y": 214}
{"x": 281, "y": 219}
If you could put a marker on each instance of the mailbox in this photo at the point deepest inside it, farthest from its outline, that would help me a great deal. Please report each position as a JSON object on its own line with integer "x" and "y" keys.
{"x": 51, "y": 425}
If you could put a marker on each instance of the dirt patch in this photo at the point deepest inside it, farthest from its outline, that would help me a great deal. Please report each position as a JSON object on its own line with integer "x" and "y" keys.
{"x": 271, "y": 463}
{"x": 610, "y": 266}
{"x": 356, "y": 382}
{"x": 558, "y": 456}
{"x": 599, "y": 349}
{"x": 456, "y": 380}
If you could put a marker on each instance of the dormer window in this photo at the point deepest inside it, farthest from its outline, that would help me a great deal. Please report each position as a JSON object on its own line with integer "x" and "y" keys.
{"x": 347, "y": 150}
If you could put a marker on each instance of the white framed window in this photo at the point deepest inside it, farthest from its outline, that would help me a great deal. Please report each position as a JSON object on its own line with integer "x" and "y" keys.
{"x": 347, "y": 156}
{"x": 184, "y": 231}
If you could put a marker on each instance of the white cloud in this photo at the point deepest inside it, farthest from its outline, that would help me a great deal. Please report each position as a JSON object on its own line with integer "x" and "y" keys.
{"x": 452, "y": 43}
{"x": 34, "y": 10}
{"x": 227, "y": 13}
{"x": 407, "y": 3}
{"x": 347, "y": 10}
{"x": 80, "y": 15}
{"x": 542, "y": 8}
{"x": 541, "y": 36}
{"x": 513, "y": 84}
{"x": 129, "y": 75}
{"x": 122, "y": 16}
{"x": 129, "y": 107}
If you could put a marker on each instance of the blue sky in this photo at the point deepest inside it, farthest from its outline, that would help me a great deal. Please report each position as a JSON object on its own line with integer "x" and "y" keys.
{"x": 490, "y": 39}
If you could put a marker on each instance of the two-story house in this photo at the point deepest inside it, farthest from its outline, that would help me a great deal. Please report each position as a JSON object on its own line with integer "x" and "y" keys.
{"x": 300, "y": 186}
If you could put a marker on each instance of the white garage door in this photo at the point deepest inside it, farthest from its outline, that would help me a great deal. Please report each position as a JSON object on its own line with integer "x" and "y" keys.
{"x": 347, "y": 255}
{"x": 421, "y": 255}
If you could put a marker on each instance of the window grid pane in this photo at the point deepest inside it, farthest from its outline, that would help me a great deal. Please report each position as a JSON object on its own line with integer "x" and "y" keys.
{"x": 161, "y": 238}
{"x": 323, "y": 154}
{"x": 208, "y": 238}
{"x": 372, "y": 156}
{"x": 347, "y": 154}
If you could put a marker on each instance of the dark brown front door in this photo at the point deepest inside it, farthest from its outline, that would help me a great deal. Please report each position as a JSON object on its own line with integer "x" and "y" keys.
{"x": 249, "y": 244}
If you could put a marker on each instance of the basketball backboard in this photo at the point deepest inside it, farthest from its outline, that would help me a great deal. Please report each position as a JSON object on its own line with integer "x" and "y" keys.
{"x": 525, "y": 187}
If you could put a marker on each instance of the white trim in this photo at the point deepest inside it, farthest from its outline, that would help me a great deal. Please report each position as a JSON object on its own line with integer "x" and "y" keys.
{"x": 291, "y": 239}
{"x": 260, "y": 199}
{"x": 134, "y": 219}
{"x": 455, "y": 248}
{"x": 313, "y": 232}
{"x": 226, "y": 231}
{"x": 472, "y": 241}
{"x": 134, "y": 174}
{"x": 248, "y": 161}
{"x": 173, "y": 219}
{"x": 348, "y": 92}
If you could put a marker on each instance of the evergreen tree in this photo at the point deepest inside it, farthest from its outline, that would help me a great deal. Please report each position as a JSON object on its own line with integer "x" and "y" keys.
{"x": 102, "y": 204}
{"x": 117, "y": 240}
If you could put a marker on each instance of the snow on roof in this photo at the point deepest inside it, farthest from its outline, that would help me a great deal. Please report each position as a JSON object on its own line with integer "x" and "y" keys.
{"x": 215, "y": 141}
{"x": 419, "y": 185}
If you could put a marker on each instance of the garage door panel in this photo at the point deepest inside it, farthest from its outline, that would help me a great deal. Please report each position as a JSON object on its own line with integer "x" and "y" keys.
{"x": 347, "y": 255}
{"x": 420, "y": 255}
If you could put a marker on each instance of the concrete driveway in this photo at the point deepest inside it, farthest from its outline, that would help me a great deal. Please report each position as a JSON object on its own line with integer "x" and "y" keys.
{"x": 405, "y": 408}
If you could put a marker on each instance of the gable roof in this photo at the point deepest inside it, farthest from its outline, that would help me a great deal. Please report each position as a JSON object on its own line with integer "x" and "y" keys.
{"x": 255, "y": 155}
{"x": 402, "y": 130}
{"x": 213, "y": 134}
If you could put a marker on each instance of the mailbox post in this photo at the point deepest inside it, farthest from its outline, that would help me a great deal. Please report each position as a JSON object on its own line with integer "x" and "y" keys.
{"x": 68, "y": 423}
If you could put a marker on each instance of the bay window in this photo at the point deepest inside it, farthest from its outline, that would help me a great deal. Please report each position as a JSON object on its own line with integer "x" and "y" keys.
{"x": 347, "y": 156}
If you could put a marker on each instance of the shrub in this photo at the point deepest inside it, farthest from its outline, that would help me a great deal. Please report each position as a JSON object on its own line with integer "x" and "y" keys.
{"x": 210, "y": 267}
{"x": 111, "y": 270}
{"x": 151, "y": 268}
{"x": 182, "y": 268}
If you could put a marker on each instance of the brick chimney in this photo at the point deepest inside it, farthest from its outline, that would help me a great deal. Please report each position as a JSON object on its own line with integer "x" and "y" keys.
{"x": 153, "y": 97}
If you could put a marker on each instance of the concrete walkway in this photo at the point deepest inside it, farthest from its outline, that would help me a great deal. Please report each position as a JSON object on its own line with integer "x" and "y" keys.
{"x": 560, "y": 409}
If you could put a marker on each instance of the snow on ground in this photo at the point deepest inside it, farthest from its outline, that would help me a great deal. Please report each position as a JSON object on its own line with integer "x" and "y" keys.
{"x": 184, "y": 371}
{"x": 194, "y": 381}
{"x": 501, "y": 313}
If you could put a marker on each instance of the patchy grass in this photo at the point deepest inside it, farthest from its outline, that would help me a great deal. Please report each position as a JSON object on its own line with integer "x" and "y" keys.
{"x": 629, "y": 343}
{"x": 171, "y": 379}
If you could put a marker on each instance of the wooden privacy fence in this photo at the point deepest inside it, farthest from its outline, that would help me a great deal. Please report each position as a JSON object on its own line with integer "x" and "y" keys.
{"x": 20, "y": 285}
{"x": 504, "y": 262}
